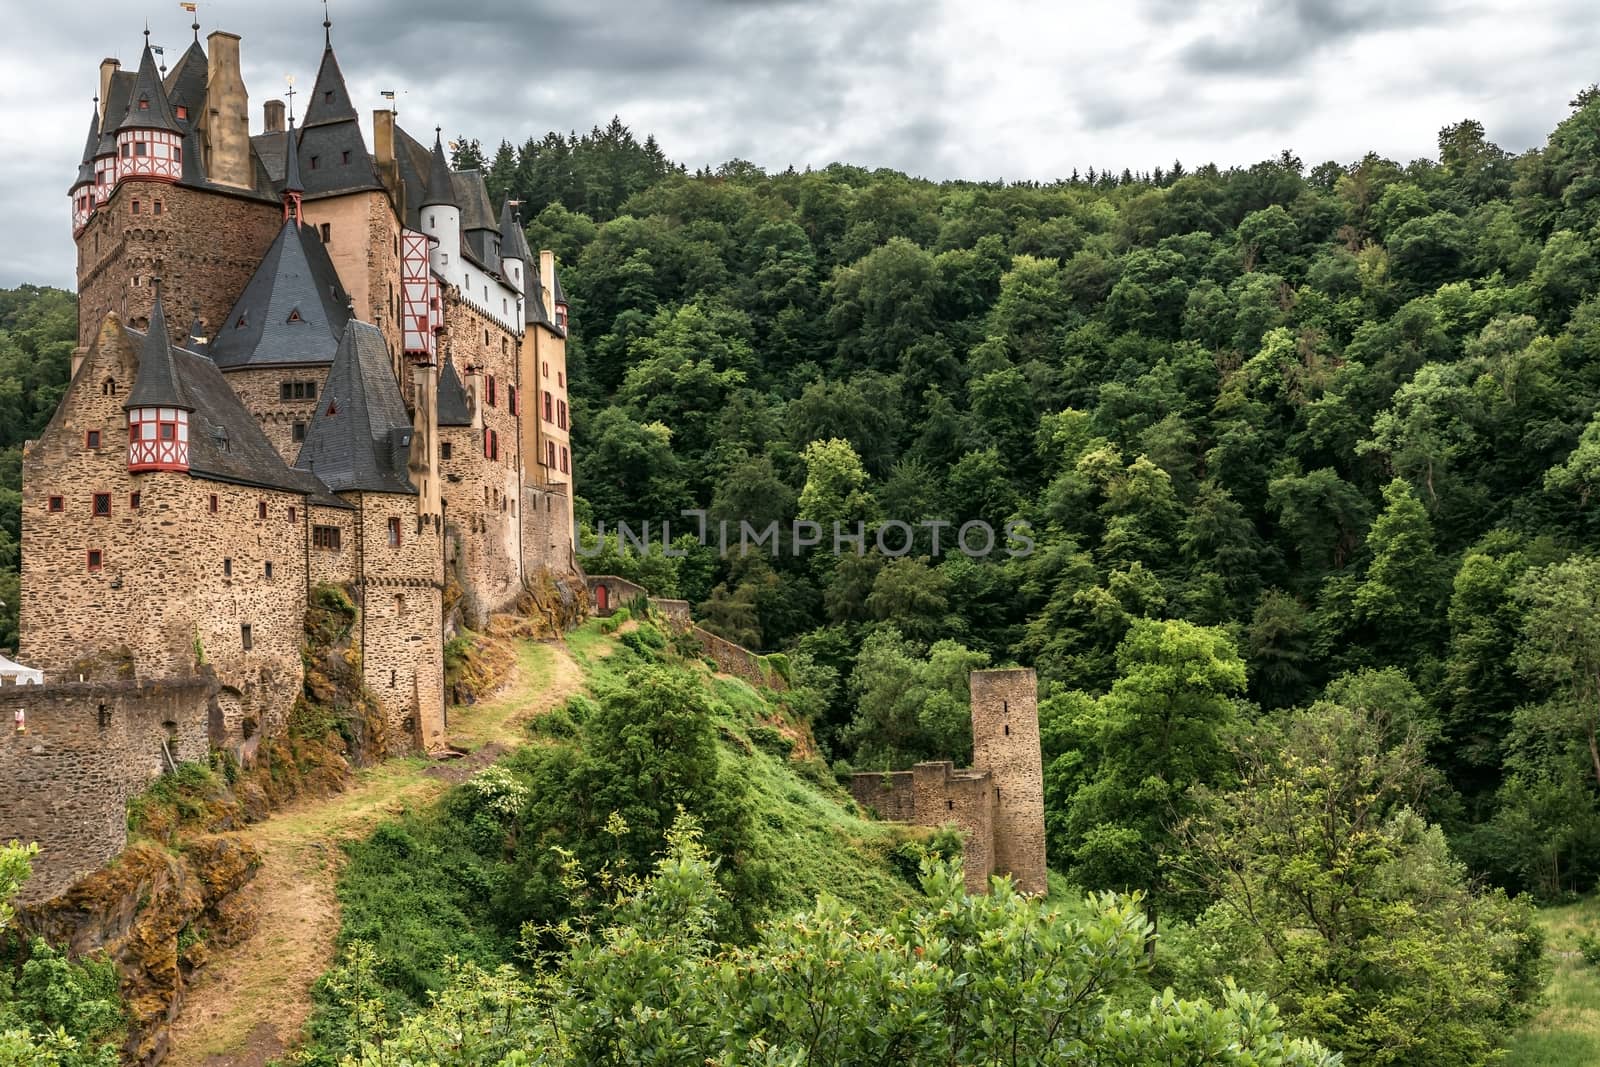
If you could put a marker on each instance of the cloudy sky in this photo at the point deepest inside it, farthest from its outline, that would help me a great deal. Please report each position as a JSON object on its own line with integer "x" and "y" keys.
{"x": 994, "y": 89}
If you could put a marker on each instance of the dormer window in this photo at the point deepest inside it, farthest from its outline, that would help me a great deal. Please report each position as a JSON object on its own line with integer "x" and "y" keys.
{"x": 144, "y": 103}
{"x": 316, "y": 162}
{"x": 242, "y": 323}
{"x": 183, "y": 112}
{"x": 345, "y": 157}
{"x": 327, "y": 97}
{"x": 294, "y": 317}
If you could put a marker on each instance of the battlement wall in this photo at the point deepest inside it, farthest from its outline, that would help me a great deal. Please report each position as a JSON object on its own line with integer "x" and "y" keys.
{"x": 85, "y": 749}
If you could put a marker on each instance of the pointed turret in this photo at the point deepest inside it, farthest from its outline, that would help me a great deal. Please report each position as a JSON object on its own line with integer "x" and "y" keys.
{"x": 149, "y": 137}
{"x": 293, "y": 189}
{"x": 453, "y": 407}
{"x": 440, "y": 215}
{"x": 158, "y": 406}
{"x": 82, "y": 192}
{"x": 558, "y": 297}
{"x": 534, "y": 309}
{"x": 333, "y": 152}
{"x": 148, "y": 106}
{"x": 515, "y": 257}
{"x": 441, "y": 191}
{"x": 360, "y": 438}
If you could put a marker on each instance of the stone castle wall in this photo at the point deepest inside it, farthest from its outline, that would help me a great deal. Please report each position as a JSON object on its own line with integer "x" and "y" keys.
{"x": 364, "y": 243}
{"x": 258, "y": 389}
{"x": 998, "y": 804}
{"x": 1005, "y": 742}
{"x": 546, "y": 531}
{"x": 331, "y": 566}
{"x": 401, "y": 598}
{"x": 888, "y": 794}
{"x": 136, "y": 615}
{"x": 204, "y": 245}
{"x": 618, "y": 591}
{"x": 87, "y": 749}
{"x": 738, "y": 661}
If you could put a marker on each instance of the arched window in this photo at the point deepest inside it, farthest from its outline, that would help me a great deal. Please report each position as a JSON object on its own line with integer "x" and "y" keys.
{"x": 108, "y": 387}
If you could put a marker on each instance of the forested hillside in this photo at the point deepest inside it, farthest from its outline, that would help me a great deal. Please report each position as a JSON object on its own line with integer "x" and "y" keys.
{"x": 1344, "y": 415}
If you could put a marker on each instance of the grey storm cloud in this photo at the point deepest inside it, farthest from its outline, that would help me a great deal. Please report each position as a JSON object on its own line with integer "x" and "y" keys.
{"x": 939, "y": 88}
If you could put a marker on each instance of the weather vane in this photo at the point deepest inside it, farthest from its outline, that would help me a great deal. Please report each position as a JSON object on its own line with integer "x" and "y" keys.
{"x": 290, "y": 94}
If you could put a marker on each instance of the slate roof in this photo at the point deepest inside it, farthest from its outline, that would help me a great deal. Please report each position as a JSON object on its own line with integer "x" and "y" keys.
{"x": 473, "y": 196}
{"x": 453, "y": 409}
{"x": 556, "y": 292}
{"x": 157, "y": 385}
{"x": 330, "y": 133}
{"x": 186, "y": 83}
{"x": 534, "y": 310}
{"x": 147, "y": 87}
{"x": 291, "y": 177}
{"x": 441, "y": 190}
{"x": 513, "y": 242}
{"x": 114, "y": 106}
{"x": 295, "y": 281}
{"x": 90, "y": 147}
{"x": 360, "y": 438}
{"x": 413, "y": 159}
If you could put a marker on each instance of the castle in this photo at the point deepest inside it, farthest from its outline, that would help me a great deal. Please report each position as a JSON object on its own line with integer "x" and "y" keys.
{"x": 999, "y": 803}
{"x": 301, "y": 361}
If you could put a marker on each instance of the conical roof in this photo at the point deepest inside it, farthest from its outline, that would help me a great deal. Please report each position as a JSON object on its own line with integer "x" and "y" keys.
{"x": 441, "y": 192}
{"x": 360, "y": 437}
{"x": 157, "y": 384}
{"x": 330, "y": 99}
{"x": 292, "y": 311}
{"x": 90, "y": 147}
{"x": 513, "y": 242}
{"x": 291, "y": 163}
{"x": 556, "y": 291}
{"x": 148, "y": 107}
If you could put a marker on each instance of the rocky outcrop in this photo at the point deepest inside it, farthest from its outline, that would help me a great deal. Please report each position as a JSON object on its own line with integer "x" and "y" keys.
{"x": 157, "y": 914}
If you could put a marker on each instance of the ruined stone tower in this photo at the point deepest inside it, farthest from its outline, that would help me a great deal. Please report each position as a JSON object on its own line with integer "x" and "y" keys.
{"x": 1005, "y": 742}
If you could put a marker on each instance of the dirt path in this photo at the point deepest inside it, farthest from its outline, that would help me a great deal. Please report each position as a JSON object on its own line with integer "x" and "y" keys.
{"x": 250, "y": 1004}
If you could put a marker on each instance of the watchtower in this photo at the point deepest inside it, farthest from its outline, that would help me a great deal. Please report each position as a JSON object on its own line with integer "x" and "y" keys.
{"x": 1005, "y": 743}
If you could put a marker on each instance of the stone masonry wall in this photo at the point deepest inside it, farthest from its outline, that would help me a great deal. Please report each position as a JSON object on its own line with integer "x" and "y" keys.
{"x": 179, "y": 576}
{"x": 401, "y": 599}
{"x": 87, "y": 750}
{"x": 259, "y": 390}
{"x": 676, "y": 613}
{"x": 618, "y": 592}
{"x": 943, "y": 795}
{"x": 204, "y": 246}
{"x": 546, "y": 531}
{"x": 887, "y": 793}
{"x": 364, "y": 244}
{"x": 1005, "y": 743}
{"x": 738, "y": 661}
{"x": 330, "y": 566}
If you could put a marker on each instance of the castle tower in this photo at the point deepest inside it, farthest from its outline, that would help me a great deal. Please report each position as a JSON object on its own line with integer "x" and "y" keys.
{"x": 158, "y": 406}
{"x": 440, "y": 214}
{"x": 149, "y": 139}
{"x": 515, "y": 256}
{"x": 82, "y": 193}
{"x": 1005, "y": 743}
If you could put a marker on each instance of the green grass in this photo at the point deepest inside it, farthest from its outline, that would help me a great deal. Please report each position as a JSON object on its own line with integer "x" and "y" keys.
{"x": 1567, "y": 1032}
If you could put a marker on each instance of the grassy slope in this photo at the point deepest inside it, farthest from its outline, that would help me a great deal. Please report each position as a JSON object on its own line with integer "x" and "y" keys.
{"x": 418, "y": 891}
{"x": 1567, "y": 1032}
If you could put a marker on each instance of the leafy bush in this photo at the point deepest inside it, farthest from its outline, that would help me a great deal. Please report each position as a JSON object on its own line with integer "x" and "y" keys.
{"x": 772, "y": 741}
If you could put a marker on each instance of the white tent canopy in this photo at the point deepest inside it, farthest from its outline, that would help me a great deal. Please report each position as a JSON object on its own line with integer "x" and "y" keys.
{"x": 12, "y": 673}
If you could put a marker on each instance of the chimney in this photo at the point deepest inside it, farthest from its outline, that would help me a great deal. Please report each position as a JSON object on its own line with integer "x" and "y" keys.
{"x": 78, "y": 355}
{"x": 108, "y": 67}
{"x": 383, "y": 155}
{"x": 225, "y": 126}
{"x": 273, "y": 115}
{"x": 547, "y": 273}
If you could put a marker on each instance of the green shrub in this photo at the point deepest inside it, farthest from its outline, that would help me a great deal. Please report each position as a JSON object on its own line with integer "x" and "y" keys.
{"x": 772, "y": 741}
{"x": 1589, "y": 949}
{"x": 580, "y": 707}
{"x": 555, "y": 723}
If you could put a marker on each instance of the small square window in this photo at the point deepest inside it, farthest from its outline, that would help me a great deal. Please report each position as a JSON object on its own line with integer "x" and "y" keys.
{"x": 261, "y": 509}
{"x": 227, "y": 568}
{"x": 91, "y": 439}
{"x": 57, "y": 504}
{"x": 102, "y": 505}
{"x": 213, "y": 503}
{"x": 292, "y": 514}
{"x": 95, "y": 559}
{"x": 133, "y": 501}
{"x": 136, "y": 207}
{"x": 183, "y": 112}
{"x": 298, "y": 432}
{"x": 394, "y": 533}
{"x": 160, "y": 207}
{"x": 444, "y": 453}
{"x": 327, "y": 233}
{"x": 246, "y": 639}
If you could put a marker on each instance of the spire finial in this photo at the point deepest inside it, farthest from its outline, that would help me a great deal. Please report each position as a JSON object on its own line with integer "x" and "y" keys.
{"x": 327, "y": 25}
{"x": 147, "y": 32}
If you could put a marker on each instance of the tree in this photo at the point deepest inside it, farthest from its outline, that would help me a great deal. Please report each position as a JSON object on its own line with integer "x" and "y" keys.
{"x": 835, "y": 488}
{"x": 996, "y": 979}
{"x": 1331, "y": 890}
{"x": 910, "y": 708}
{"x": 1560, "y": 644}
{"x": 1162, "y": 731}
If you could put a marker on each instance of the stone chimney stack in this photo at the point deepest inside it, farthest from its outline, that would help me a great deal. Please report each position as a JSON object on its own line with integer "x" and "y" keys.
{"x": 108, "y": 67}
{"x": 274, "y": 114}
{"x": 225, "y": 126}
{"x": 383, "y": 155}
